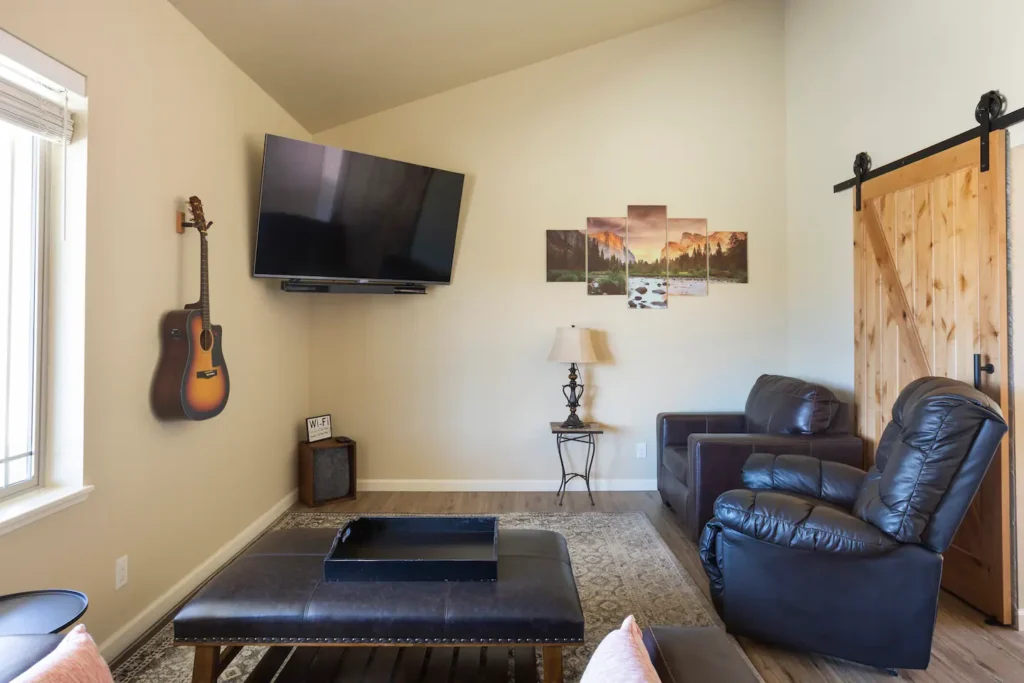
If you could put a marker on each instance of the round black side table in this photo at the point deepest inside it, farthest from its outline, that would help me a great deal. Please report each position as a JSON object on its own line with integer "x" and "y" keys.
{"x": 586, "y": 434}
{"x": 40, "y": 612}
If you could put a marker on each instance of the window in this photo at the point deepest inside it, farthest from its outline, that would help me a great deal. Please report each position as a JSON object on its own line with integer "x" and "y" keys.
{"x": 42, "y": 285}
{"x": 23, "y": 158}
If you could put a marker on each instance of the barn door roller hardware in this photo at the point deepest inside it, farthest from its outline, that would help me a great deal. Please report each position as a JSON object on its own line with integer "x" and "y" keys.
{"x": 991, "y": 106}
{"x": 989, "y": 115}
{"x": 861, "y": 166}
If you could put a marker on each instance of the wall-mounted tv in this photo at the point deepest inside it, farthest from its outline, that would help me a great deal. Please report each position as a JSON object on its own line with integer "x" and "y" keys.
{"x": 332, "y": 214}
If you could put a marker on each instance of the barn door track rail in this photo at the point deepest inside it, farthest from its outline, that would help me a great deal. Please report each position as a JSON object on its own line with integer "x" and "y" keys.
{"x": 989, "y": 113}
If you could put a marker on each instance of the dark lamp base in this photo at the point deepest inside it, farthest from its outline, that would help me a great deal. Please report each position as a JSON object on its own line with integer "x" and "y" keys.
{"x": 573, "y": 422}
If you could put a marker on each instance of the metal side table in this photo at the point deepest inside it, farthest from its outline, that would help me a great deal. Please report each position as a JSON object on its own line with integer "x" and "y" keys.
{"x": 586, "y": 434}
{"x": 41, "y": 611}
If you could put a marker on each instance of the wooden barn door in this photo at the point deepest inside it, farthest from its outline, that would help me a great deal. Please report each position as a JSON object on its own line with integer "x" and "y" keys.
{"x": 930, "y": 292}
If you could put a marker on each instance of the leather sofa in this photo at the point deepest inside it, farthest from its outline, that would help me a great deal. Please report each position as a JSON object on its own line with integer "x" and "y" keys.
{"x": 701, "y": 455}
{"x": 683, "y": 654}
{"x": 822, "y": 557}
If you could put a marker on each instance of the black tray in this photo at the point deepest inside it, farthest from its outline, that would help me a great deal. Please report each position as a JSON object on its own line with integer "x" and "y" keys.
{"x": 415, "y": 549}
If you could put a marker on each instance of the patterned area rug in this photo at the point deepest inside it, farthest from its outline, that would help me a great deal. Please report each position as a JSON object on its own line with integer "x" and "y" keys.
{"x": 622, "y": 567}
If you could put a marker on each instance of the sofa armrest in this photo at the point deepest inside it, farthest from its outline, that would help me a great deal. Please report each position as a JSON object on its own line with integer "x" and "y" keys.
{"x": 673, "y": 429}
{"x": 696, "y": 653}
{"x": 716, "y": 460}
{"x": 833, "y": 482}
{"x": 792, "y": 522}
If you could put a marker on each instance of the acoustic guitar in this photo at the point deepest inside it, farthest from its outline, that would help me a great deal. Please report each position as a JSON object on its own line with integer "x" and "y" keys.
{"x": 192, "y": 378}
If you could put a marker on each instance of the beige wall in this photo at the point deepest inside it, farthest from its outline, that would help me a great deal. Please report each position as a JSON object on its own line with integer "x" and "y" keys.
{"x": 169, "y": 116}
{"x": 887, "y": 78}
{"x": 455, "y": 385}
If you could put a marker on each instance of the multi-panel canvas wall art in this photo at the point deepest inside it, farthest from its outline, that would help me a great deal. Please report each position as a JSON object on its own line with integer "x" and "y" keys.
{"x": 727, "y": 256}
{"x": 687, "y": 252}
{"x": 647, "y": 256}
{"x": 606, "y": 256}
{"x": 567, "y": 256}
{"x": 646, "y": 240}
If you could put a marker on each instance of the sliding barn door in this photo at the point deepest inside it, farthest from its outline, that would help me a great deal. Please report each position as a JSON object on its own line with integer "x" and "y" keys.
{"x": 930, "y": 293}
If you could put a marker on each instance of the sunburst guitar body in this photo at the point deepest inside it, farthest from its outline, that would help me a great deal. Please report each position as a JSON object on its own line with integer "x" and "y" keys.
{"x": 192, "y": 378}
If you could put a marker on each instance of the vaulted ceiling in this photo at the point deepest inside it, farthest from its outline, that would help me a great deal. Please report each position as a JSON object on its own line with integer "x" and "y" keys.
{"x": 332, "y": 61}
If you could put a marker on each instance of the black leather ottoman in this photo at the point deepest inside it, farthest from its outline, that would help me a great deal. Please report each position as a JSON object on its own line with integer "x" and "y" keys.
{"x": 274, "y": 594}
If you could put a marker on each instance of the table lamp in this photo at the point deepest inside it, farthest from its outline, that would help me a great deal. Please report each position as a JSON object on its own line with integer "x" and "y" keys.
{"x": 572, "y": 345}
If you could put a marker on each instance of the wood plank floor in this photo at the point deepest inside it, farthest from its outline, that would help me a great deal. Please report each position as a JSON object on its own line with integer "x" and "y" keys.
{"x": 964, "y": 649}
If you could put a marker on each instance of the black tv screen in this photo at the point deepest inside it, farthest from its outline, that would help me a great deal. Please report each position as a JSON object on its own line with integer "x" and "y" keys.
{"x": 332, "y": 214}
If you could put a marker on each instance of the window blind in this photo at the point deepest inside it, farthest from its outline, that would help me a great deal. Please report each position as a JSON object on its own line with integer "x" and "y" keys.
{"x": 49, "y": 118}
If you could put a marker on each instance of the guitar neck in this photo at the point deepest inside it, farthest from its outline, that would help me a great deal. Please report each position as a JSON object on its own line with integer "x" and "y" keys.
{"x": 204, "y": 286}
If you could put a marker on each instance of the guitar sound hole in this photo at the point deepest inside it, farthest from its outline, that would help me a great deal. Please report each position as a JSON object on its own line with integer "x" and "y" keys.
{"x": 206, "y": 340}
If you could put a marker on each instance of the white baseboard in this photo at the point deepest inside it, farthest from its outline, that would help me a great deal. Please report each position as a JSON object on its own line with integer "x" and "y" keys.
{"x": 144, "y": 620}
{"x": 503, "y": 485}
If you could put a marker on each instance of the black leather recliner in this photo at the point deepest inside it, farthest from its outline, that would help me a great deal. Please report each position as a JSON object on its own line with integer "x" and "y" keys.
{"x": 823, "y": 557}
{"x": 701, "y": 455}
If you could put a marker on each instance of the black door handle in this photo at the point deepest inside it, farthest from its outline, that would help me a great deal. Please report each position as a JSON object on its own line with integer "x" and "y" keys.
{"x": 979, "y": 368}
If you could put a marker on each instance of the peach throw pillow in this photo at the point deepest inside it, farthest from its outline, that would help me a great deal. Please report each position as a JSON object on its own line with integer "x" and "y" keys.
{"x": 621, "y": 658}
{"x": 75, "y": 660}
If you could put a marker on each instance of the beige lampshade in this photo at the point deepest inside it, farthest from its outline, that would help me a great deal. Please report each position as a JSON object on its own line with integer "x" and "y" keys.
{"x": 572, "y": 345}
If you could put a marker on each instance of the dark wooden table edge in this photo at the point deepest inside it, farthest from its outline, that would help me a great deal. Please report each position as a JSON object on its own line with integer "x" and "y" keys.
{"x": 327, "y": 643}
{"x": 210, "y": 661}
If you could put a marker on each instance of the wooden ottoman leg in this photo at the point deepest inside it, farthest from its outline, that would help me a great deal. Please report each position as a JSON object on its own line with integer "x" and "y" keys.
{"x": 552, "y": 657}
{"x": 207, "y": 661}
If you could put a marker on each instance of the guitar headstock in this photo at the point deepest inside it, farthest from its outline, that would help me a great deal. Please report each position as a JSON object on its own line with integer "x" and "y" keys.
{"x": 195, "y": 208}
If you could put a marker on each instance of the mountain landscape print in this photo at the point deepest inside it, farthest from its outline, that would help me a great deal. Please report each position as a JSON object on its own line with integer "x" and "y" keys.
{"x": 687, "y": 256}
{"x": 567, "y": 256}
{"x": 727, "y": 256}
{"x": 646, "y": 239}
{"x": 647, "y": 256}
{"x": 606, "y": 256}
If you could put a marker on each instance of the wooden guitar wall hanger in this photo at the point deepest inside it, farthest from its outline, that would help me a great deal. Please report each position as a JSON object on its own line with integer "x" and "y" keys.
{"x": 191, "y": 380}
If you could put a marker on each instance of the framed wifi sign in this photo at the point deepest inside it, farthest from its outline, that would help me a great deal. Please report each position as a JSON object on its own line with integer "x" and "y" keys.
{"x": 318, "y": 428}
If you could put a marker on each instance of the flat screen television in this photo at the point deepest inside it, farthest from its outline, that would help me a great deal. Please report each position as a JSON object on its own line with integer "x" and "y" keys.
{"x": 331, "y": 214}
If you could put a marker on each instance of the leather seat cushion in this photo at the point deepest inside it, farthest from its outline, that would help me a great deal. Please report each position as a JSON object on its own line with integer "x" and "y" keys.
{"x": 676, "y": 459}
{"x": 799, "y": 522}
{"x": 833, "y": 482}
{"x": 275, "y": 592}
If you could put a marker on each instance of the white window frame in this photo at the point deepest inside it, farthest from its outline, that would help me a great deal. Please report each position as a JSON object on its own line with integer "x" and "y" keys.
{"x": 42, "y": 182}
{"x": 61, "y": 383}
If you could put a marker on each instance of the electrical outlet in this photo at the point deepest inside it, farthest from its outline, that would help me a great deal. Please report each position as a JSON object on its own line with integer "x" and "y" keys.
{"x": 641, "y": 449}
{"x": 120, "y": 572}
